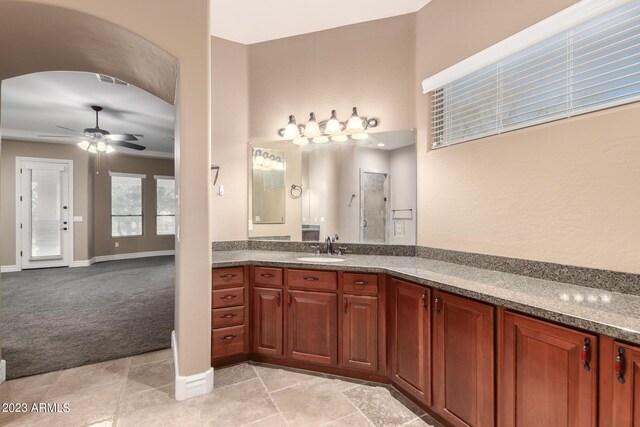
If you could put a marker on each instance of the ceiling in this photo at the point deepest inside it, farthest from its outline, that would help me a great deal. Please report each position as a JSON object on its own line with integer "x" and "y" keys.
{"x": 34, "y": 104}
{"x": 258, "y": 21}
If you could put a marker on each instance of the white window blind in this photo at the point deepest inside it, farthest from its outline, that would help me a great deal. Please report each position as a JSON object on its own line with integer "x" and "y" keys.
{"x": 590, "y": 66}
{"x": 126, "y": 206}
{"x": 165, "y": 205}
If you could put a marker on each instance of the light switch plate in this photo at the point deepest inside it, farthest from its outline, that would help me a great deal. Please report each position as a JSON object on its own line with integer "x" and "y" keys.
{"x": 78, "y": 219}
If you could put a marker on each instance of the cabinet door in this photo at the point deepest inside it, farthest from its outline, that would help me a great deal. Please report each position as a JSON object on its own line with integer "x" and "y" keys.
{"x": 267, "y": 321}
{"x": 544, "y": 381}
{"x": 626, "y": 386}
{"x": 411, "y": 349}
{"x": 312, "y": 327}
{"x": 463, "y": 358}
{"x": 360, "y": 332}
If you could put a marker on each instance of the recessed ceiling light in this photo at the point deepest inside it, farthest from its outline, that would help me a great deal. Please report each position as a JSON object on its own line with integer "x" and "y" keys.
{"x": 381, "y": 145}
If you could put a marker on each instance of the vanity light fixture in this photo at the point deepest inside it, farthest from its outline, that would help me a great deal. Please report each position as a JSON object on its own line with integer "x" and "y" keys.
{"x": 320, "y": 132}
{"x": 264, "y": 161}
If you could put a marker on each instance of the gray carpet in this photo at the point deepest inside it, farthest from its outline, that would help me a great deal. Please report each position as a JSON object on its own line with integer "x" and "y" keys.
{"x": 61, "y": 318}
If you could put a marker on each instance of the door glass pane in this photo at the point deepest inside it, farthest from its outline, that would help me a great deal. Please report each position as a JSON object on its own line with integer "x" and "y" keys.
{"x": 46, "y": 214}
{"x": 374, "y": 207}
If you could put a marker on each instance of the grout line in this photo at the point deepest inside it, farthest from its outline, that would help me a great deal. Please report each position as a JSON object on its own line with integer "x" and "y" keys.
{"x": 356, "y": 406}
{"x": 116, "y": 415}
{"x": 239, "y": 382}
{"x": 269, "y": 394}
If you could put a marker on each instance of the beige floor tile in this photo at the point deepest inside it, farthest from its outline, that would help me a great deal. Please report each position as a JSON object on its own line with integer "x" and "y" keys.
{"x": 158, "y": 407}
{"x": 31, "y": 382}
{"x": 153, "y": 356}
{"x": 355, "y": 420}
{"x": 27, "y": 396}
{"x": 77, "y": 379}
{"x": 223, "y": 377}
{"x": 312, "y": 403}
{"x": 237, "y": 404}
{"x": 273, "y": 421}
{"x": 417, "y": 422}
{"x": 104, "y": 423}
{"x": 149, "y": 376}
{"x": 377, "y": 404}
{"x": 276, "y": 379}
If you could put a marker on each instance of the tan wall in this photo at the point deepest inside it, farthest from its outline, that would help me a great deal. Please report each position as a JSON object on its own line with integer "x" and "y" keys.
{"x": 369, "y": 66}
{"x": 104, "y": 243}
{"x": 564, "y": 192}
{"x": 229, "y": 137}
{"x": 120, "y": 50}
{"x": 81, "y": 193}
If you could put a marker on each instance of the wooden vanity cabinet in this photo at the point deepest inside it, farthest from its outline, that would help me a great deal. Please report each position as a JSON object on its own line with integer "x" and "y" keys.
{"x": 547, "y": 374}
{"x": 229, "y": 314}
{"x": 463, "y": 360}
{"x": 619, "y": 384}
{"x": 411, "y": 338}
{"x": 267, "y": 312}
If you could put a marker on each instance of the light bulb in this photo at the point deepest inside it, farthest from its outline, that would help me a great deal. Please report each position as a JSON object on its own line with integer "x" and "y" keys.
{"x": 84, "y": 144}
{"x": 291, "y": 131}
{"x": 92, "y": 149}
{"x": 360, "y": 135}
{"x": 110, "y": 149}
{"x": 339, "y": 138}
{"x": 320, "y": 139}
{"x": 355, "y": 122}
{"x": 301, "y": 141}
{"x": 267, "y": 163}
{"x": 101, "y": 146}
{"x": 259, "y": 160}
{"x": 333, "y": 126}
{"x": 312, "y": 129}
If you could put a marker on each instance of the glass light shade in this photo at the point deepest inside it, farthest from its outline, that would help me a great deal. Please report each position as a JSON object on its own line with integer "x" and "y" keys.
{"x": 92, "y": 149}
{"x": 101, "y": 146}
{"x": 333, "y": 125}
{"x": 360, "y": 135}
{"x": 301, "y": 141}
{"x": 355, "y": 123}
{"x": 291, "y": 131}
{"x": 339, "y": 138}
{"x": 267, "y": 163}
{"x": 110, "y": 149}
{"x": 312, "y": 129}
{"x": 320, "y": 139}
{"x": 84, "y": 144}
{"x": 259, "y": 160}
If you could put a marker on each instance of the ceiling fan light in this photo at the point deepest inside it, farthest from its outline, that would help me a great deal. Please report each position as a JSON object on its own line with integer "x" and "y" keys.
{"x": 320, "y": 139}
{"x": 312, "y": 129}
{"x": 339, "y": 138}
{"x": 110, "y": 149}
{"x": 291, "y": 131}
{"x": 92, "y": 149}
{"x": 333, "y": 126}
{"x": 355, "y": 123}
{"x": 101, "y": 146}
{"x": 360, "y": 135}
{"x": 84, "y": 144}
{"x": 301, "y": 141}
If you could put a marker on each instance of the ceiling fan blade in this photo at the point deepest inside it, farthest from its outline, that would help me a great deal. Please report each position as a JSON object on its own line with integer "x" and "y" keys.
{"x": 122, "y": 137}
{"x": 126, "y": 144}
{"x": 70, "y": 130}
{"x": 56, "y": 136}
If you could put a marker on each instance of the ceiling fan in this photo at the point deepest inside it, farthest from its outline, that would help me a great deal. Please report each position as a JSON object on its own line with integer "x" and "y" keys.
{"x": 101, "y": 140}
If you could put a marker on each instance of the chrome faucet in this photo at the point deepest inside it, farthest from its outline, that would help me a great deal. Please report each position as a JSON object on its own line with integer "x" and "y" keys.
{"x": 330, "y": 241}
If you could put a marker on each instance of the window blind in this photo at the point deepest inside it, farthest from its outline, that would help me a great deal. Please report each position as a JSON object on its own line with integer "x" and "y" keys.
{"x": 590, "y": 66}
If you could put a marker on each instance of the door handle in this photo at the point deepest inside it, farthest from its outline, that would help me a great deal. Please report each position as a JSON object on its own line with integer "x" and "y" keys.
{"x": 364, "y": 223}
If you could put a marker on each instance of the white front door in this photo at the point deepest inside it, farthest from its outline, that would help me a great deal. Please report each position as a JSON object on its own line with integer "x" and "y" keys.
{"x": 44, "y": 212}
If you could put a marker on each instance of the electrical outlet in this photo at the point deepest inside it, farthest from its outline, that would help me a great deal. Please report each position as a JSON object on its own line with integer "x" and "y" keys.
{"x": 117, "y": 244}
{"x": 398, "y": 228}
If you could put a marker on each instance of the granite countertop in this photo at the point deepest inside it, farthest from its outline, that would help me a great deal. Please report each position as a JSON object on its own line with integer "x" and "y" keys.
{"x": 604, "y": 312}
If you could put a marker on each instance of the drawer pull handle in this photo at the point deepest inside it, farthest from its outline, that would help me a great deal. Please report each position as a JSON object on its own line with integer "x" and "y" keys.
{"x": 289, "y": 299}
{"x": 346, "y": 305}
{"x": 311, "y": 279}
{"x": 267, "y": 275}
{"x": 424, "y": 299}
{"x": 585, "y": 354}
{"x": 360, "y": 282}
{"x": 228, "y": 276}
{"x": 278, "y": 299}
{"x": 226, "y": 297}
{"x": 228, "y": 316}
{"x": 620, "y": 365}
{"x": 227, "y": 337}
{"x": 438, "y": 301}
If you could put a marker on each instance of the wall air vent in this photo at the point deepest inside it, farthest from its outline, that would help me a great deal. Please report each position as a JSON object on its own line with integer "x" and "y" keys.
{"x": 108, "y": 79}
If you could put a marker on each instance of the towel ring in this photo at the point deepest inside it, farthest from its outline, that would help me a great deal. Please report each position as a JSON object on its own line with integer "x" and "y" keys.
{"x": 295, "y": 191}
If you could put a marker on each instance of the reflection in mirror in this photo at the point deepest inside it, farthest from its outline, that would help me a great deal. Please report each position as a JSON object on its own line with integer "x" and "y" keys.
{"x": 362, "y": 190}
{"x": 267, "y": 186}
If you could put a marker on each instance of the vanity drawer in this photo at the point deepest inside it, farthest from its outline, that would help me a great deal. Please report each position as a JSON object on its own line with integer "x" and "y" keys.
{"x": 361, "y": 284}
{"x": 223, "y": 317}
{"x": 311, "y": 279}
{"x": 267, "y": 276}
{"x": 226, "y": 277}
{"x": 227, "y": 297}
{"x": 227, "y": 341}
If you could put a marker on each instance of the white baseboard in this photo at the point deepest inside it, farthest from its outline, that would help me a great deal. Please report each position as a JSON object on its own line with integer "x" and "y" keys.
{"x": 9, "y": 269}
{"x": 117, "y": 257}
{"x": 192, "y": 385}
{"x": 3, "y": 371}
{"x": 82, "y": 263}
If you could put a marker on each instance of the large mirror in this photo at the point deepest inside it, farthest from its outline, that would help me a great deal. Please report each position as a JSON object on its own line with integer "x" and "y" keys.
{"x": 362, "y": 190}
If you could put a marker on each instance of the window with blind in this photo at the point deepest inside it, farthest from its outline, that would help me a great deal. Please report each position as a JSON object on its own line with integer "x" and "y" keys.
{"x": 590, "y": 66}
{"x": 126, "y": 206}
{"x": 165, "y": 206}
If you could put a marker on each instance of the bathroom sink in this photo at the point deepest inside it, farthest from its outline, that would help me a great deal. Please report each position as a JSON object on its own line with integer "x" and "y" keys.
{"x": 320, "y": 260}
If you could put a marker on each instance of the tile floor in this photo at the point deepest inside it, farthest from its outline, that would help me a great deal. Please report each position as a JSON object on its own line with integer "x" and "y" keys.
{"x": 138, "y": 391}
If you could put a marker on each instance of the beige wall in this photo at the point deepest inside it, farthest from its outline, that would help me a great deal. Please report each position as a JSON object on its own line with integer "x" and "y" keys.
{"x": 150, "y": 241}
{"x": 369, "y": 66}
{"x": 81, "y": 194}
{"x": 29, "y": 43}
{"x": 563, "y": 192}
{"x": 229, "y": 137}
